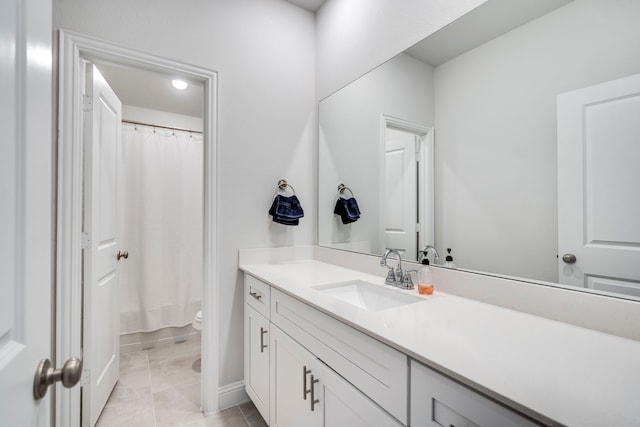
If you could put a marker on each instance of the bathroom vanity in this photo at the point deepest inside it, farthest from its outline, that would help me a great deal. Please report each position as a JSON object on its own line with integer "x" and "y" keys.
{"x": 334, "y": 346}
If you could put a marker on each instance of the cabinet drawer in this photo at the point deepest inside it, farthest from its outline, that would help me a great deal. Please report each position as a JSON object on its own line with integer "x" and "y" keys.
{"x": 376, "y": 369}
{"x": 438, "y": 401}
{"x": 257, "y": 294}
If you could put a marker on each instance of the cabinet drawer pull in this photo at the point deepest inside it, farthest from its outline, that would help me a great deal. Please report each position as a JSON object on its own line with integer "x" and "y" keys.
{"x": 262, "y": 344}
{"x": 305, "y": 372}
{"x": 313, "y": 399}
{"x": 255, "y": 295}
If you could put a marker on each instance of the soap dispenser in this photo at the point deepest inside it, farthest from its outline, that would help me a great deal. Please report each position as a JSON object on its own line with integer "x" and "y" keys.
{"x": 425, "y": 278}
{"x": 449, "y": 260}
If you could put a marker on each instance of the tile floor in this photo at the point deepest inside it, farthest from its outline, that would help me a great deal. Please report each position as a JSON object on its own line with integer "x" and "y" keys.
{"x": 160, "y": 387}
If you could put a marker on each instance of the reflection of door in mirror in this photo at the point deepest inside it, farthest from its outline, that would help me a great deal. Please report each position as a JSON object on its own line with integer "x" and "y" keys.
{"x": 407, "y": 189}
{"x": 400, "y": 192}
{"x": 598, "y": 176}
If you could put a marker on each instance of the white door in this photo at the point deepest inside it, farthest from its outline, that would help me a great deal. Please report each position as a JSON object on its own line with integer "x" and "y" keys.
{"x": 291, "y": 383}
{"x": 26, "y": 203}
{"x": 256, "y": 363}
{"x": 101, "y": 325}
{"x": 598, "y": 186}
{"x": 401, "y": 192}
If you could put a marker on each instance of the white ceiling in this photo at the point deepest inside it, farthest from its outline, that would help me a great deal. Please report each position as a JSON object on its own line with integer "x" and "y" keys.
{"x": 153, "y": 90}
{"x": 312, "y": 5}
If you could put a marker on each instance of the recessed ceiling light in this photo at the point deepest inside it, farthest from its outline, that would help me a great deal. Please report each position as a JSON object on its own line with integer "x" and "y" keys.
{"x": 179, "y": 84}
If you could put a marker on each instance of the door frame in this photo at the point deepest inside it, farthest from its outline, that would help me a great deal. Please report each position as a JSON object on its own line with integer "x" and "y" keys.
{"x": 73, "y": 49}
{"x": 426, "y": 192}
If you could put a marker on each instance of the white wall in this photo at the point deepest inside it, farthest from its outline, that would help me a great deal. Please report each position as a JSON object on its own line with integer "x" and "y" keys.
{"x": 356, "y": 36}
{"x": 350, "y": 142}
{"x": 496, "y": 132}
{"x": 264, "y": 53}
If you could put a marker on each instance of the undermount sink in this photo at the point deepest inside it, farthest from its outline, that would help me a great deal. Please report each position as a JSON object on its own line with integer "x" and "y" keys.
{"x": 368, "y": 296}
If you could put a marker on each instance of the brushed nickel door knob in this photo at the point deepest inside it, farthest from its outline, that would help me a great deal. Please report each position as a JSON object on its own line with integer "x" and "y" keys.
{"x": 46, "y": 375}
{"x": 569, "y": 258}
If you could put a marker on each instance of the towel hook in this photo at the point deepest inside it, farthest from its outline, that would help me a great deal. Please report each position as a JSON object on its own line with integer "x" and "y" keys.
{"x": 283, "y": 184}
{"x": 342, "y": 188}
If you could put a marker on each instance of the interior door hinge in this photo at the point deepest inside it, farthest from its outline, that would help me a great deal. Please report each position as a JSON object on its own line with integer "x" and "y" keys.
{"x": 418, "y": 227}
{"x": 86, "y": 378}
{"x": 86, "y": 241}
{"x": 87, "y": 103}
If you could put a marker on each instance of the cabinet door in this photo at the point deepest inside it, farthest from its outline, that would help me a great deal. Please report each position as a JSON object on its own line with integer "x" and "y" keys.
{"x": 256, "y": 359}
{"x": 291, "y": 384}
{"x": 345, "y": 406}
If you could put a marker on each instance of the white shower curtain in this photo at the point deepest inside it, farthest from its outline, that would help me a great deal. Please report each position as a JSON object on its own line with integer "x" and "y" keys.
{"x": 160, "y": 199}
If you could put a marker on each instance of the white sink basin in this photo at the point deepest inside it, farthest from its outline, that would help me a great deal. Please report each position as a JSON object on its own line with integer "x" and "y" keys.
{"x": 368, "y": 296}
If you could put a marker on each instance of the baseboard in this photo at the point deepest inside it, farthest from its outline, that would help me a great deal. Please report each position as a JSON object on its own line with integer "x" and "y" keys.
{"x": 231, "y": 395}
{"x": 143, "y": 340}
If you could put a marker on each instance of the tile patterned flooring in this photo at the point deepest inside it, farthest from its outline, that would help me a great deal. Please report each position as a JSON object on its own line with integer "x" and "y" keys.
{"x": 160, "y": 387}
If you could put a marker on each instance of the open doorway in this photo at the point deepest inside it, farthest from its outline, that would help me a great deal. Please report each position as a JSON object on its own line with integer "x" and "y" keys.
{"x": 144, "y": 121}
{"x": 158, "y": 167}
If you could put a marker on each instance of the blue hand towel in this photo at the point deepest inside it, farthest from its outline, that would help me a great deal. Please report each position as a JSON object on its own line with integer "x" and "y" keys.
{"x": 286, "y": 210}
{"x": 347, "y": 209}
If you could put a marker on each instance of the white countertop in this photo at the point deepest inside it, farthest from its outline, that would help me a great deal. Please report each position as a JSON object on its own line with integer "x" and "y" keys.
{"x": 546, "y": 369}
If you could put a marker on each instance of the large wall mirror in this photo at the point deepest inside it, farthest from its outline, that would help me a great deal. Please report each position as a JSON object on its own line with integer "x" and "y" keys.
{"x": 511, "y": 136}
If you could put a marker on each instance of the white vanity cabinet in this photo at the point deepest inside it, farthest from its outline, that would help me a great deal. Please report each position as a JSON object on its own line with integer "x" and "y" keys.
{"x": 439, "y": 401}
{"x": 306, "y": 392}
{"x": 256, "y": 344}
{"x": 377, "y": 370}
{"x": 309, "y": 356}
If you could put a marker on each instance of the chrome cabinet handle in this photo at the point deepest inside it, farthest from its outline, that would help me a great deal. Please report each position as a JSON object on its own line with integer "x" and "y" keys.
{"x": 46, "y": 375}
{"x": 122, "y": 254}
{"x": 305, "y": 391}
{"x": 255, "y": 295}
{"x": 313, "y": 399}
{"x": 262, "y": 344}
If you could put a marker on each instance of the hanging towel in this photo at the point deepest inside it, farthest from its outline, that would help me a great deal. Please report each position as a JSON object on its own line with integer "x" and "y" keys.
{"x": 347, "y": 209}
{"x": 286, "y": 210}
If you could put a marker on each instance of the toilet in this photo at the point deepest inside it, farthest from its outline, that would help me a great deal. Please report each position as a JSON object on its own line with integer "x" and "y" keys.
{"x": 197, "y": 321}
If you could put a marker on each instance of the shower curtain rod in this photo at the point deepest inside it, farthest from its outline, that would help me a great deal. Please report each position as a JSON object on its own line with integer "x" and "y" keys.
{"x": 162, "y": 127}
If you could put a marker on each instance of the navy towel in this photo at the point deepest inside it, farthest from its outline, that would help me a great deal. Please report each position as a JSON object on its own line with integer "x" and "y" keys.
{"x": 286, "y": 210}
{"x": 347, "y": 209}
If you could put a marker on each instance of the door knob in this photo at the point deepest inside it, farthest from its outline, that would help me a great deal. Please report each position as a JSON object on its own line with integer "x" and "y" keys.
{"x": 569, "y": 258}
{"x": 46, "y": 375}
{"x": 122, "y": 254}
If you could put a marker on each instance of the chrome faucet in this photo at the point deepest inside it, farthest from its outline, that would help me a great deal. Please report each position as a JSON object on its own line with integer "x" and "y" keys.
{"x": 396, "y": 277}
{"x": 424, "y": 253}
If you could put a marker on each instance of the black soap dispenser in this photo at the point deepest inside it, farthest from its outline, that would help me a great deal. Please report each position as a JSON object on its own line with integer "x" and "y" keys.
{"x": 449, "y": 260}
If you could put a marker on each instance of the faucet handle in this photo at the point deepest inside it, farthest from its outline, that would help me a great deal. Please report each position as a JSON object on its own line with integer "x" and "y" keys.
{"x": 391, "y": 277}
{"x": 407, "y": 281}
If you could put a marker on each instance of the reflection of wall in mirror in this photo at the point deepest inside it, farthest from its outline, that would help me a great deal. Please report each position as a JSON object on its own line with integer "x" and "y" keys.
{"x": 350, "y": 143}
{"x": 496, "y": 173}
